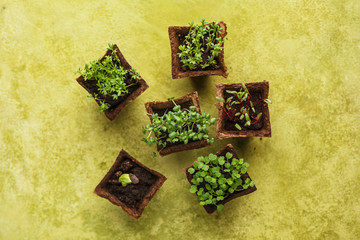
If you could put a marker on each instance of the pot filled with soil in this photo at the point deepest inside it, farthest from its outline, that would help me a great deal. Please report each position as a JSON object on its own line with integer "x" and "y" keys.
{"x": 198, "y": 50}
{"x": 129, "y": 184}
{"x": 111, "y": 82}
{"x": 243, "y": 110}
{"x": 177, "y": 125}
{"x": 219, "y": 178}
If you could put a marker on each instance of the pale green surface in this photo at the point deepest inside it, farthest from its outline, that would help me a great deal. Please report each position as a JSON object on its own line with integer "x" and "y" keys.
{"x": 55, "y": 147}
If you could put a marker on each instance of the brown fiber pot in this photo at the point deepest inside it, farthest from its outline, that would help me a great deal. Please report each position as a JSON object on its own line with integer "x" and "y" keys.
{"x": 259, "y": 88}
{"x": 115, "y": 109}
{"x": 191, "y": 99}
{"x": 212, "y": 208}
{"x": 146, "y": 189}
{"x": 175, "y": 32}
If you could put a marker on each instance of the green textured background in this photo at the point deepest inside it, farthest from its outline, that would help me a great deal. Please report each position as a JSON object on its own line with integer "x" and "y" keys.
{"x": 55, "y": 147}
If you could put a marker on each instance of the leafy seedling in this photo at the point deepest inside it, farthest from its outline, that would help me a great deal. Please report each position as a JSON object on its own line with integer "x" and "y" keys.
{"x": 201, "y": 46}
{"x": 178, "y": 126}
{"x": 110, "y": 78}
{"x": 126, "y": 179}
{"x": 214, "y": 178}
{"x": 240, "y": 109}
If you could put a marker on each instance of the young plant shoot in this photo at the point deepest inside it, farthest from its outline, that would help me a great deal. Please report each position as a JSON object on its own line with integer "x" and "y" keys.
{"x": 240, "y": 109}
{"x": 215, "y": 178}
{"x": 126, "y": 179}
{"x": 178, "y": 126}
{"x": 110, "y": 78}
{"x": 201, "y": 46}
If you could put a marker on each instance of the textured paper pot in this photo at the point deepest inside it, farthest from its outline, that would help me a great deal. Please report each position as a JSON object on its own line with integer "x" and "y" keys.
{"x": 176, "y": 33}
{"x": 134, "y": 91}
{"x": 133, "y": 198}
{"x": 191, "y": 99}
{"x": 226, "y": 129}
{"x": 212, "y": 208}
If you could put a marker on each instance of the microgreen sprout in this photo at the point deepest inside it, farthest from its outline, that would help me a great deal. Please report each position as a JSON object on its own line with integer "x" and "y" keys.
{"x": 240, "y": 109}
{"x": 201, "y": 46}
{"x": 214, "y": 178}
{"x": 103, "y": 105}
{"x": 110, "y": 78}
{"x": 124, "y": 179}
{"x": 178, "y": 126}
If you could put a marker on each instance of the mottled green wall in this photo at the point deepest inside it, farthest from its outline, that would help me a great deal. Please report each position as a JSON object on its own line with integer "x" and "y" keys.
{"x": 55, "y": 147}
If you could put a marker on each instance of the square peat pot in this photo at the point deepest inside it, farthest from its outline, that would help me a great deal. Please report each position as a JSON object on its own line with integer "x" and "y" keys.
{"x": 212, "y": 208}
{"x": 190, "y": 99}
{"x": 177, "y": 35}
{"x": 133, "y": 198}
{"x": 226, "y": 128}
{"x": 115, "y": 105}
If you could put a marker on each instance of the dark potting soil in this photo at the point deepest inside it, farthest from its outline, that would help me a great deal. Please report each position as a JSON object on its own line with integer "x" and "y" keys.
{"x": 161, "y": 112}
{"x": 93, "y": 89}
{"x": 204, "y": 57}
{"x": 132, "y": 194}
{"x": 255, "y": 97}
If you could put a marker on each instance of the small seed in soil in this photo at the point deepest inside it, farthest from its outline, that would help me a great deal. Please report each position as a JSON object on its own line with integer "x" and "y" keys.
{"x": 114, "y": 181}
{"x": 134, "y": 179}
{"x": 126, "y": 165}
{"x": 118, "y": 174}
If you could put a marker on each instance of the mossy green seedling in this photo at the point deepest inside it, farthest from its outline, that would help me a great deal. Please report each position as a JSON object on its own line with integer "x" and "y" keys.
{"x": 110, "y": 78}
{"x": 244, "y": 114}
{"x": 178, "y": 126}
{"x": 214, "y": 178}
{"x": 201, "y": 46}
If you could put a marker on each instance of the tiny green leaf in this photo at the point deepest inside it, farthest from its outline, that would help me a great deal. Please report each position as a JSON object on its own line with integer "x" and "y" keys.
{"x": 176, "y": 108}
{"x": 220, "y": 99}
{"x": 196, "y": 165}
{"x": 193, "y": 189}
{"x": 191, "y": 170}
{"x": 228, "y": 155}
{"x": 124, "y": 179}
{"x": 252, "y": 183}
{"x": 212, "y": 157}
{"x": 267, "y": 101}
{"x": 192, "y": 108}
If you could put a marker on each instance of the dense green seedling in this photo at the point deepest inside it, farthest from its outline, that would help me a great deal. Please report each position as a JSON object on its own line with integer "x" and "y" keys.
{"x": 215, "y": 178}
{"x": 245, "y": 112}
{"x": 178, "y": 125}
{"x": 201, "y": 41}
{"x": 110, "y": 77}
